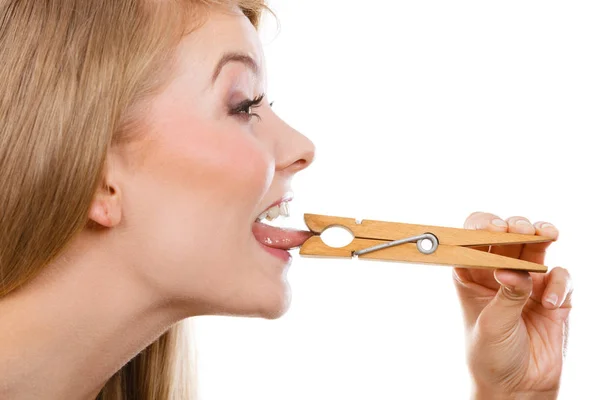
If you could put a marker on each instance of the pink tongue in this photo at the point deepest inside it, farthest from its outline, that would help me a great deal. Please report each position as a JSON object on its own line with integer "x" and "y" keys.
{"x": 279, "y": 238}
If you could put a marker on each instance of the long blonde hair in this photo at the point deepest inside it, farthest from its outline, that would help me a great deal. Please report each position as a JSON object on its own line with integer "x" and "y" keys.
{"x": 74, "y": 74}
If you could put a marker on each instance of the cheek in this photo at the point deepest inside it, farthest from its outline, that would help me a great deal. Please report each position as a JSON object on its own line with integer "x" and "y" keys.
{"x": 201, "y": 185}
{"x": 226, "y": 169}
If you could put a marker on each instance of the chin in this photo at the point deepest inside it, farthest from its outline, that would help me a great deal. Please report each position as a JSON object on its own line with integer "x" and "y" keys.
{"x": 275, "y": 304}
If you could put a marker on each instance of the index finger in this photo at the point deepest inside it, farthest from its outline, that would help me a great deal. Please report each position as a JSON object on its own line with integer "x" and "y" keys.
{"x": 485, "y": 221}
{"x": 489, "y": 222}
{"x": 536, "y": 252}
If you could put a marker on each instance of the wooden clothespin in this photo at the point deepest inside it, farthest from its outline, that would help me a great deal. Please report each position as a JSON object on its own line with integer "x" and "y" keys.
{"x": 394, "y": 241}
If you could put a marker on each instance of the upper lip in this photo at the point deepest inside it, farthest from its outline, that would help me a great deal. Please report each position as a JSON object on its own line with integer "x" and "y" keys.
{"x": 288, "y": 196}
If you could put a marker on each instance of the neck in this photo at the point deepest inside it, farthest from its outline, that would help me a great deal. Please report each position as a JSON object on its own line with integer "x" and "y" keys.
{"x": 64, "y": 334}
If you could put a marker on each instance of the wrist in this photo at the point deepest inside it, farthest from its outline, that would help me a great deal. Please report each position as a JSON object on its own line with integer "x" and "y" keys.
{"x": 486, "y": 394}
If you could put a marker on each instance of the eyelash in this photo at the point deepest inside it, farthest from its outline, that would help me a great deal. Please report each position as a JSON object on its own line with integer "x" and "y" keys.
{"x": 244, "y": 109}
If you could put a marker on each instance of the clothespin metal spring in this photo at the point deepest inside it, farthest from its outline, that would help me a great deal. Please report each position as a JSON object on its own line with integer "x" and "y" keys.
{"x": 414, "y": 239}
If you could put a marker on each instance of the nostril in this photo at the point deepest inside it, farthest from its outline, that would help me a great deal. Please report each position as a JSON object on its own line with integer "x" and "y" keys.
{"x": 295, "y": 154}
{"x": 299, "y": 165}
{"x": 308, "y": 158}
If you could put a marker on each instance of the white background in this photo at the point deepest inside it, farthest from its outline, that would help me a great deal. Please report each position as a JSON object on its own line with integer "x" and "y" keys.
{"x": 422, "y": 112}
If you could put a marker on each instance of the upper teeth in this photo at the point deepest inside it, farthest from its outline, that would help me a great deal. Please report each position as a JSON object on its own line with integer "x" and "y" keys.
{"x": 281, "y": 209}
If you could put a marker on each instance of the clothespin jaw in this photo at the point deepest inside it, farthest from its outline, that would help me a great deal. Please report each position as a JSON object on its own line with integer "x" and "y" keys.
{"x": 394, "y": 241}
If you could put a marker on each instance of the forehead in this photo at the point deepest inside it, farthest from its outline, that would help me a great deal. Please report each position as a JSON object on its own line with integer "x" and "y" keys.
{"x": 220, "y": 32}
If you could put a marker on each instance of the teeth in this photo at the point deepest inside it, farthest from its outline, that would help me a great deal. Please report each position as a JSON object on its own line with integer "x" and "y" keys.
{"x": 273, "y": 213}
{"x": 282, "y": 210}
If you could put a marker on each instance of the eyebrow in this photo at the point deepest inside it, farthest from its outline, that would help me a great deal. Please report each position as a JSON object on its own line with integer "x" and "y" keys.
{"x": 235, "y": 57}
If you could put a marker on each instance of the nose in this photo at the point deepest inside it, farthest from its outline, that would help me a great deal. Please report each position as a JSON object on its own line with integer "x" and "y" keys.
{"x": 294, "y": 151}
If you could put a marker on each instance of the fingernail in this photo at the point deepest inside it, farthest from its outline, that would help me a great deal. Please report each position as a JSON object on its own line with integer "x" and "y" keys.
{"x": 523, "y": 222}
{"x": 552, "y": 299}
{"x": 511, "y": 292}
{"x": 509, "y": 289}
{"x": 499, "y": 222}
{"x": 547, "y": 225}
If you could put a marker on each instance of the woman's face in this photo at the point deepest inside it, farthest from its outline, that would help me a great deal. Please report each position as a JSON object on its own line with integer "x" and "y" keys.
{"x": 205, "y": 170}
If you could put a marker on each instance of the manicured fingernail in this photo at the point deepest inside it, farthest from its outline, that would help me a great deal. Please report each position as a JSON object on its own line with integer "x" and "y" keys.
{"x": 552, "y": 299}
{"x": 547, "y": 225}
{"x": 499, "y": 222}
{"x": 522, "y": 222}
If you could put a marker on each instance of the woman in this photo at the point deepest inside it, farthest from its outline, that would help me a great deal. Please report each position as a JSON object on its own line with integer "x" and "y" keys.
{"x": 138, "y": 155}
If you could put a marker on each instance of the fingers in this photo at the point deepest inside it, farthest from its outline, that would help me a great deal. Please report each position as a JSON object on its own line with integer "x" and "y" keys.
{"x": 503, "y": 313}
{"x": 515, "y": 225}
{"x": 520, "y": 225}
{"x": 489, "y": 222}
{"x": 519, "y": 281}
{"x": 536, "y": 252}
{"x": 473, "y": 296}
{"x": 558, "y": 289}
{"x": 485, "y": 221}
{"x": 477, "y": 287}
{"x": 495, "y": 300}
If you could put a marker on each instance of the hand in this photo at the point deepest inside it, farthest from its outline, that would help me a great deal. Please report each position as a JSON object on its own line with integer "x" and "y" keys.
{"x": 516, "y": 322}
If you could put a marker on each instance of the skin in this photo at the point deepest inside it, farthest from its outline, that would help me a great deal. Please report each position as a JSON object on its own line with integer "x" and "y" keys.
{"x": 176, "y": 237}
{"x": 176, "y": 212}
{"x": 516, "y": 322}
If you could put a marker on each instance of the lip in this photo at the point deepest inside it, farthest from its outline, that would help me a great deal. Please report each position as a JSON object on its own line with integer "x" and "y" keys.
{"x": 283, "y": 255}
{"x": 279, "y": 241}
{"x": 288, "y": 196}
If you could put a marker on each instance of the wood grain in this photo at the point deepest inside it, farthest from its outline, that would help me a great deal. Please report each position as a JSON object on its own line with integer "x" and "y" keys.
{"x": 450, "y": 250}
{"x": 384, "y": 230}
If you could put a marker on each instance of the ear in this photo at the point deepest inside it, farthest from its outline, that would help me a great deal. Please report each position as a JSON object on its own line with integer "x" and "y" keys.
{"x": 106, "y": 208}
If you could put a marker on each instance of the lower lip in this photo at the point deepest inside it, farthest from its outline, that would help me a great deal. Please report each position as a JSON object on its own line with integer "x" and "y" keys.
{"x": 283, "y": 255}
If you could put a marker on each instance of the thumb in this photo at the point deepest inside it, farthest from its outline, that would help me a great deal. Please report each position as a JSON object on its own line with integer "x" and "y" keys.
{"x": 504, "y": 311}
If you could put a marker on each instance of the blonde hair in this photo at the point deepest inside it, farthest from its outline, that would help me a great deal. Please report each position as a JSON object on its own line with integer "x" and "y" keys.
{"x": 75, "y": 75}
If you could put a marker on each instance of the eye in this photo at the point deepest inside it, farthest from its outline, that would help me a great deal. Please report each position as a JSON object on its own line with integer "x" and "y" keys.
{"x": 244, "y": 109}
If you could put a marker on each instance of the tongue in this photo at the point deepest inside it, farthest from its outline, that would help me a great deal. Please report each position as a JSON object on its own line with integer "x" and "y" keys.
{"x": 279, "y": 238}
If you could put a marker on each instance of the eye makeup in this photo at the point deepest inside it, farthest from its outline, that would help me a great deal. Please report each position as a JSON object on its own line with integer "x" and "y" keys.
{"x": 244, "y": 109}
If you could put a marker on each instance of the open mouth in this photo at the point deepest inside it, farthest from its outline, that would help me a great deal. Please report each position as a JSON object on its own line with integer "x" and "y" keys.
{"x": 275, "y": 240}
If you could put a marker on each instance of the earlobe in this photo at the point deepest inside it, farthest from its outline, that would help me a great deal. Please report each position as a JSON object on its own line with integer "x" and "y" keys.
{"x": 106, "y": 206}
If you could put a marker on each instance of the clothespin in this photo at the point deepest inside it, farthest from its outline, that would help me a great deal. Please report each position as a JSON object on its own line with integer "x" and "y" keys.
{"x": 394, "y": 241}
